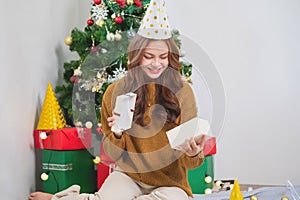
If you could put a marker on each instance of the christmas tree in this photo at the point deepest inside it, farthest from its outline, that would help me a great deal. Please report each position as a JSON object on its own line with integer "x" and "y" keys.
{"x": 102, "y": 49}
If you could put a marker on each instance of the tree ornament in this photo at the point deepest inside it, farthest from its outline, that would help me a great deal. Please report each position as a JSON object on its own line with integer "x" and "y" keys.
{"x": 130, "y": 2}
{"x": 90, "y": 22}
{"x": 74, "y": 79}
{"x": 284, "y": 198}
{"x": 97, "y": 2}
{"x": 131, "y": 33}
{"x": 118, "y": 36}
{"x": 68, "y": 40}
{"x": 110, "y": 37}
{"x": 99, "y": 13}
{"x": 119, "y": 20}
{"x": 138, "y": 3}
{"x": 77, "y": 72}
{"x": 121, "y": 3}
{"x": 94, "y": 49}
{"x": 100, "y": 22}
{"x": 254, "y": 197}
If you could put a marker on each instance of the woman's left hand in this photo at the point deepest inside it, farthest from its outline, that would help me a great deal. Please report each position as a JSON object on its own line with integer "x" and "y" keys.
{"x": 191, "y": 147}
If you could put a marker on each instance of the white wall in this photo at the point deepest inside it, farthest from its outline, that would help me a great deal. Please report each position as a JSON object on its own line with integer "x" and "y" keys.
{"x": 255, "y": 48}
{"x": 32, "y": 53}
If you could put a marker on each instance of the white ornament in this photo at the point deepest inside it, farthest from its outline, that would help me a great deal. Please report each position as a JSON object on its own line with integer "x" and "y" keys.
{"x": 119, "y": 73}
{"x": 118, "y": 36}
{"x": 99, "y": 12}
{"x": 89, "y": 124}
{"x": 110, "y": 37}
{"x": 113, "y": 16}
{"x": 77, "y": 72}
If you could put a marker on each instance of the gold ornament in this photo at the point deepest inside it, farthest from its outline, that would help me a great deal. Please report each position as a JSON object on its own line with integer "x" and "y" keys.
{"x": 68, "y": 40}
{"x": 284, "y": 198}
{"x": 51, "y": 116}
{"x": 130, "y": 2}
{"x": 100, "y": 22}
{"x": 253, "y": 197}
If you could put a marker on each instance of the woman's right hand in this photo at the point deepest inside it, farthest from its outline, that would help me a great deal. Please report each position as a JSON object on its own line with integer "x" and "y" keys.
{"x": 111, "y": 122}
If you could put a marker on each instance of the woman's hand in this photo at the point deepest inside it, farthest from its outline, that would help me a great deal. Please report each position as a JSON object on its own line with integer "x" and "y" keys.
{"x": 111, "y": 122}
{"x": 192, "y": 147}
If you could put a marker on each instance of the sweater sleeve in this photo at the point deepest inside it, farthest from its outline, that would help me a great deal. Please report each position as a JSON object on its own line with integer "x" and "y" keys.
{"x": 113, "y": 146}
{"x": 187, "y": 101}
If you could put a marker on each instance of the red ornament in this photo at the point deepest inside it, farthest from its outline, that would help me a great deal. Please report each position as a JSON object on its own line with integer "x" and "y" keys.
{"x": 138, "y": 3}
{"x": 121, "y": 3}
{"x": 97, "y": 2}
{"x": 90, "y": 22}
{"x": 119, "y": 20}
{"x": 94, "y": 49}
{"x": 74, "y": 79}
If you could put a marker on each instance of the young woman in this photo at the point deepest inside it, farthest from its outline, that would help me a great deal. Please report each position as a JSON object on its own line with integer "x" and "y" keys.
{"x": 147, "y": 167}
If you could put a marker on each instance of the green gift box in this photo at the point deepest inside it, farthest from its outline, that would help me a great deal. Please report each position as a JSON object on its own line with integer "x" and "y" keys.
{"x": 66, "y": 168}
{"x": 202, "y": 177}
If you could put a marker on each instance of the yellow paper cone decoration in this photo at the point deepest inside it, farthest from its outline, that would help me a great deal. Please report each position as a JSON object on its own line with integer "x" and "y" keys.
{"x": 155, "y": 24}
{"x": 51, "y": 116}
{"x": 236, "y": 193}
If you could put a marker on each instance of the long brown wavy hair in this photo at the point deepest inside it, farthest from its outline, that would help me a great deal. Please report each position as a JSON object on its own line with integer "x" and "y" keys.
{"x": 166, "y": 86}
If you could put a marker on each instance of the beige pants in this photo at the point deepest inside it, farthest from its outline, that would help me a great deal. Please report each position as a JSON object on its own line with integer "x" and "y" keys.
{"x": 119, "y": 186}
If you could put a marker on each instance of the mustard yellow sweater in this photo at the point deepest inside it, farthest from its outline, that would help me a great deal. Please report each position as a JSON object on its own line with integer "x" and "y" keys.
{"x": 144, "y": 153}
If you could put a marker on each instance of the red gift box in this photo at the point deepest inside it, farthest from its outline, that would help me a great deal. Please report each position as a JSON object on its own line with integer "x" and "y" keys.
{"x": 63, "y": 139}
{"x": 105, "y": 166}
{"x": 103, "y": 170}
{"x": 210, "y": 147}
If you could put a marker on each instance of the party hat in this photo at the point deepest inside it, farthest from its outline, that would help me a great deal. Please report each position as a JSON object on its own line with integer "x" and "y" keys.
{"x": 51, "y": 115}
{"x": 155, "y": 24}
{"x": 236, "y": 193}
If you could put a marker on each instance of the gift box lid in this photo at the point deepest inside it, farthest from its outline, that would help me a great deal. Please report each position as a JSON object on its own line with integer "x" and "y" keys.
{"x": 63, "y": 139}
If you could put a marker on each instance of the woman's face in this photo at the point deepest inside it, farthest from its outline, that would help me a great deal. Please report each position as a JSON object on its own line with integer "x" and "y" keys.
{"x": 155, "y": 59}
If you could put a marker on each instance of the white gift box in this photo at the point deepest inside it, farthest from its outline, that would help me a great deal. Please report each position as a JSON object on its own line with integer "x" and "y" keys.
{"x": 195, "y": 127}
{"x": 123, "y": 112}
